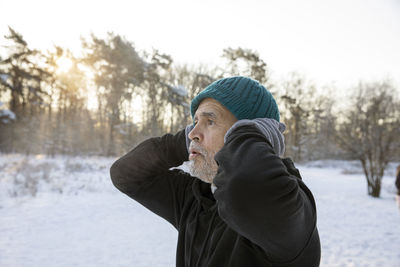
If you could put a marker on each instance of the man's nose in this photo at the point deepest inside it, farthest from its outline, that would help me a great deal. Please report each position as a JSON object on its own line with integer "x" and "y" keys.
{"x": 195, "y": 134}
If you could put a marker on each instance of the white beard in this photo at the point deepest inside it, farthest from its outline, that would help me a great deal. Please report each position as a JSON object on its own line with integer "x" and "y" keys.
{"x": 188, "y": 166}
{"x": 204, "y": 167}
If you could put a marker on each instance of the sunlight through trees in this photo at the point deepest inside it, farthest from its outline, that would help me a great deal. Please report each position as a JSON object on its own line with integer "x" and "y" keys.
{"x": 112, "y": 96}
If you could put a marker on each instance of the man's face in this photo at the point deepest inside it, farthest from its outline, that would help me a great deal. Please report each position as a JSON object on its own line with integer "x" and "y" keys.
{"x": 212, "y": 121}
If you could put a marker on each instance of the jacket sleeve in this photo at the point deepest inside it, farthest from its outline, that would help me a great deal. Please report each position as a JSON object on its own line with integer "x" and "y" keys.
{"x": 144, "y": 174}
{"x": 259, "y": 199}
{"x": 398, "y": 183}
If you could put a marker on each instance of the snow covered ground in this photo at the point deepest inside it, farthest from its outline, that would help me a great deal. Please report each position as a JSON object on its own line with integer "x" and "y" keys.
{"x": 77, "y": 218}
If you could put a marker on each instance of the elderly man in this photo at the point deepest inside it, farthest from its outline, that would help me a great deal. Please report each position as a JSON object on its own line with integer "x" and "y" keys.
{"x": 243, "y": 205}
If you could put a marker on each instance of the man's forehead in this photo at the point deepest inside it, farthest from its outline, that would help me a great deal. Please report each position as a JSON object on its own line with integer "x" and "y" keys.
{"x": 210, "y": 108}
{"x": 206, "y": 114}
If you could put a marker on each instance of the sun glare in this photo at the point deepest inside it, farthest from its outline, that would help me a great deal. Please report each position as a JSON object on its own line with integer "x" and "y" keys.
{"x": 92, "y": 102}
{"x": 63, "y": 64}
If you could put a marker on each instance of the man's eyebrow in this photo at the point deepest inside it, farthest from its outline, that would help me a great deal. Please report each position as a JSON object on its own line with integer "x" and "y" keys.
{"x": 207, "y": 114}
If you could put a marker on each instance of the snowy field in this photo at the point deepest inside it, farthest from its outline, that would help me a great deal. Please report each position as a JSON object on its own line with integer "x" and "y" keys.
{"x": 74, "y": 216}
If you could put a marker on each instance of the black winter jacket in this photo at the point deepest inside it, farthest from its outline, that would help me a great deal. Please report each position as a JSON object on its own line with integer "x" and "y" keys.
{"x": 262, "y": 214}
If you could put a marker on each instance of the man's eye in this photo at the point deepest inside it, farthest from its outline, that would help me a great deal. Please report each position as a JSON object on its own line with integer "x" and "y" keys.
{"x": 210, "y": 122}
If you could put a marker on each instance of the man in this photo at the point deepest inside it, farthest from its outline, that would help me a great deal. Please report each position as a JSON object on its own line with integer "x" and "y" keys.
{"x": 244, "y": 205}
{"x": 397, "y": 183}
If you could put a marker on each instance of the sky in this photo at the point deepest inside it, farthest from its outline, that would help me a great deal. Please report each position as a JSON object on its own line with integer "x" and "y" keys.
{"x": 330, "y": 42}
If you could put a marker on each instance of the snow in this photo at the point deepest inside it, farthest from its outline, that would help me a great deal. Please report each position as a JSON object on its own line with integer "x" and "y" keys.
{"x": 7, "y": 115}
{"x": 355, "y": 229}
{"x": 4, "y": 77}
{"x": 180, "y": 90}
{"x": 92, "y": 224}
{"x": 85, "y": 230}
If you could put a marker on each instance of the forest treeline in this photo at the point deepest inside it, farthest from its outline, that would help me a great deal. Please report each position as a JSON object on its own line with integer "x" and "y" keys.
{"x": 112, "y": 96}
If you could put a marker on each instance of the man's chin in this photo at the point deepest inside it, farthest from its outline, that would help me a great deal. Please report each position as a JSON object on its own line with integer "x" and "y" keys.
{"x": 200, "y": 172}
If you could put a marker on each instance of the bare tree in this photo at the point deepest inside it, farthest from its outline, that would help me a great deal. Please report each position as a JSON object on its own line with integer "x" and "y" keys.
{"x": 297, "y": 96}
{"x": 23, "y": 79}
{"x": 371, "y": 130}
{"x": 245, "y": 62}
{"x": 155, "y": 92}
{"x": 192, "y": 79}
{"x": 67, "y": 90}
{"x": 307, "y": 112}
{"x": 119, "y": 70}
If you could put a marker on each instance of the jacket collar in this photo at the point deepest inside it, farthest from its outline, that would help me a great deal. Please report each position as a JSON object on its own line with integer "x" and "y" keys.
{"x": 202, "y": 192}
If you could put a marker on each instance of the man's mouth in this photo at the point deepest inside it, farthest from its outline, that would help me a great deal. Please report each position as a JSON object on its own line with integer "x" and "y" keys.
{"x": 193, "y": 154}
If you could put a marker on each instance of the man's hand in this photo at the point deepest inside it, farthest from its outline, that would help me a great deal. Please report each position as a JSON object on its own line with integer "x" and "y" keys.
{"x": 271, "y": 129}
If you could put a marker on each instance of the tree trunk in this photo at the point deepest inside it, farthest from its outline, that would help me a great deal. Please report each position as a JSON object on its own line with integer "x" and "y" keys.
{"x": 374, "y": 190}
{"x": 373, "y": 180}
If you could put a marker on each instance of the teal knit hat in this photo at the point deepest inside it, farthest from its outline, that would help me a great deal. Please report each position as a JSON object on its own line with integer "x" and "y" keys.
{"x": 244, "y": 97}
